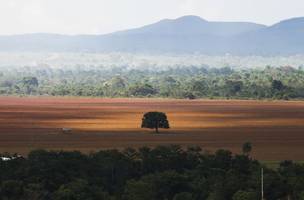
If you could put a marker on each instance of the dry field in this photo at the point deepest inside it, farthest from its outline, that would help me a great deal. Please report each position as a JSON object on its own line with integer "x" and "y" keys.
{"x": 276, "y": 129}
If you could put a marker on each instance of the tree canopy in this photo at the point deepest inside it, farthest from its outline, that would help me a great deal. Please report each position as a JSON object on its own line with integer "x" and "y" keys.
{"x": 177, "y": 82}
{"x": 160, "y": 173}
{"x": 155, "y": 120}
{"x": 247, "y": 147}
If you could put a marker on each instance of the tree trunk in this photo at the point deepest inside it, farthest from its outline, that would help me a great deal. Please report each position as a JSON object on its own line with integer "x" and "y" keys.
{"x": 156, "y": 129}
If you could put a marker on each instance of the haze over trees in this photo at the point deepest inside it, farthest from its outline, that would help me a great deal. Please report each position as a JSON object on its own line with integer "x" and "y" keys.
{"x": 184, "y": 58}
{"x": 172, "y": 82}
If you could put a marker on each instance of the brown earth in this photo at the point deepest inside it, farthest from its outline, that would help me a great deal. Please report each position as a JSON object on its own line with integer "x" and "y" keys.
{"x": 276, "y": 128}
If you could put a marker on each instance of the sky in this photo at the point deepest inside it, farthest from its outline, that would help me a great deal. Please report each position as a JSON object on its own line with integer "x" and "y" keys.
{"x": 105, "y": 16}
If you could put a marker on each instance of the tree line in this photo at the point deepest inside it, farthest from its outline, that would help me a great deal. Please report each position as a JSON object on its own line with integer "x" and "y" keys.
{"x": 179, "y": 82}
{"x": 160, "y": 173}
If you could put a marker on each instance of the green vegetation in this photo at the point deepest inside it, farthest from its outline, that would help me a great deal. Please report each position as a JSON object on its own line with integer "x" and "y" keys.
{"x": 161, "y": 173}
{"x": 155, "y": 120}
{"x": 247, "y": 147}
{"x": 175, "y": 82}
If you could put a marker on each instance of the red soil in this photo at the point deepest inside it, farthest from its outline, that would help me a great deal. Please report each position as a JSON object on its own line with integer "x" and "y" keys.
{"x": 276, "y": 129}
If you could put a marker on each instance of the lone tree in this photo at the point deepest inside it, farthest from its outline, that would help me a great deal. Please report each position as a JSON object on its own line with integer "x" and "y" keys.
{"x": 155, "y": 120}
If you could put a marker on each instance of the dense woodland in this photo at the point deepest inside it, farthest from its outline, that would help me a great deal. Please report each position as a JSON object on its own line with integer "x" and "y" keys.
{"x": 172, "y": 82}
{"x": 160, "y": 173}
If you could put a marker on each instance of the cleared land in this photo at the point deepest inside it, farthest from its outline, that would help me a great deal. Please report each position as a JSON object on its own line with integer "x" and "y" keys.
{"x": 276, "y": 129}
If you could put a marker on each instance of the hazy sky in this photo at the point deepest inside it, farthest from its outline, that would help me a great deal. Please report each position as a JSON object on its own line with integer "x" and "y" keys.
{"x": 103, "y": 16}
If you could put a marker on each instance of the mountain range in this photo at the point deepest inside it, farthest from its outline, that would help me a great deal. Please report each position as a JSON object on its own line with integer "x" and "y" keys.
{"x": 187, "y": 34}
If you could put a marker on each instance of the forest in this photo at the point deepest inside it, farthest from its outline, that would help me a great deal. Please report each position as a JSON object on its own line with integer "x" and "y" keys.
{"x": 159, "y": 173}
{"x": 173, "y": 82}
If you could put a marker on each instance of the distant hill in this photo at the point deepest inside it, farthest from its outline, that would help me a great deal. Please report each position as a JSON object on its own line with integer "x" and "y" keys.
{"x": 187, "y": 34}
{"x": 193, "y": 26}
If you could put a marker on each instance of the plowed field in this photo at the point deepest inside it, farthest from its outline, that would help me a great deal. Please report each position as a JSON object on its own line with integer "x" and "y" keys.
{"x": 276, "y": 128}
